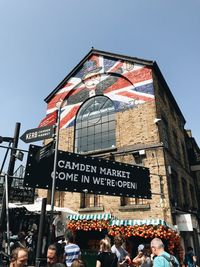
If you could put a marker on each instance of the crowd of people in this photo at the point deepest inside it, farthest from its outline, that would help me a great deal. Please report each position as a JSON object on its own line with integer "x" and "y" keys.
{"x": 65, "y": 253}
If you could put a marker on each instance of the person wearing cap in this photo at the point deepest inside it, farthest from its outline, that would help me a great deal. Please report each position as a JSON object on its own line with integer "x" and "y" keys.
{"x": 90, "y": 78}
{"x": 143, "y": 258}
{"x": 93, "y": 83}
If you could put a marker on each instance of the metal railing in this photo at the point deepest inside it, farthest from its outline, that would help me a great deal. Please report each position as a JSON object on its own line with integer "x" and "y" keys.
{"x": 4, "y": 259}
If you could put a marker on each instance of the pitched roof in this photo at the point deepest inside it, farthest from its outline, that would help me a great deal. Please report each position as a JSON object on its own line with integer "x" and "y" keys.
{"x": 100, "y": 53}
{"x": 146, "y": 62}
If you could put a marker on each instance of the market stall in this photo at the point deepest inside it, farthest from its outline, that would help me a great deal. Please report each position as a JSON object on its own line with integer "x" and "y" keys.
{"x": 20, "y": 214}
{"x": 135, "y": 232}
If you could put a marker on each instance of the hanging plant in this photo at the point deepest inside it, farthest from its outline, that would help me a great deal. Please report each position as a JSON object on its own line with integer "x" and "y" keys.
{"x": 88, "y": 225}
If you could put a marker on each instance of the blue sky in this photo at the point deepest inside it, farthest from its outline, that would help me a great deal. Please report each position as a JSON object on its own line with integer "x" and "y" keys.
{"x": 42, "y": 41}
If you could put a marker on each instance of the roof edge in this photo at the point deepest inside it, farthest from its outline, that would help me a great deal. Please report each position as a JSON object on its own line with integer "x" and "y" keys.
{"x": 98, "y": 52}
{"x": 168, "y": 91}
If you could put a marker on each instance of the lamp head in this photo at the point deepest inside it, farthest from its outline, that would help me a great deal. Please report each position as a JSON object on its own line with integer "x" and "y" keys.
{"x": 156, "y": 120}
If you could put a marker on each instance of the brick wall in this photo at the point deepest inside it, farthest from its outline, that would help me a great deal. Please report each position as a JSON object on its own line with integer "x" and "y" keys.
{"x": 136, "y": 129}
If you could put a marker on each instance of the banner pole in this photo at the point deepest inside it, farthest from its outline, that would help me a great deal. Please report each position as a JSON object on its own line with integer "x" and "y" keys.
{"x": 7, "y": 216}
{"x": 54, "y": 170}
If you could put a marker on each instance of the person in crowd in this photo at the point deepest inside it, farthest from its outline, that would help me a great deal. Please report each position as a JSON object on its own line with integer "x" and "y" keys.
{"x": 190, "y": 258}
{"x": 31, "y": 248}
{"x": 32, "y": 227}
{"x": 59, "y": 226}
{"x": 71, "y": 250}
{"x": 52, "y": 257}
{"x": 78, "y": 263}
{"x": 143, "y": 258}
{"x": 21, "y": 241}
{"x": 106, "y": 257}
{"x": 19, "y": 257}
{"x": 162, "y": 258}
{"x": 122, "y": 255}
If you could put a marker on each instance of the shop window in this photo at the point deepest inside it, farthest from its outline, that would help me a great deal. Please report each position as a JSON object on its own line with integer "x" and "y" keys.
{"x": 95, "y": 125}
{"x": 90, "y": 201}
{"x": 126, "y": 201}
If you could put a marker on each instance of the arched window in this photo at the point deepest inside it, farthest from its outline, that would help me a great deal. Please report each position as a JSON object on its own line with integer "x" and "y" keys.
{"x": 95, "y": 125}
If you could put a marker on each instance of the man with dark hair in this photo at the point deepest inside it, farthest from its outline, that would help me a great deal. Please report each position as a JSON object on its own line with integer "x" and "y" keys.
{"x": 72, "y": 251}
{"x": 52, "y": 257}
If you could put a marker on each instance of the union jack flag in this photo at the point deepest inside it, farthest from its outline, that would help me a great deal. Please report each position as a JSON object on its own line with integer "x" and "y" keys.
{"x": 127, "y": 84}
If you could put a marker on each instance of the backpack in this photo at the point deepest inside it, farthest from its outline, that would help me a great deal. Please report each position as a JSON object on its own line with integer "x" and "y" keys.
{"x": 171, "y": 260}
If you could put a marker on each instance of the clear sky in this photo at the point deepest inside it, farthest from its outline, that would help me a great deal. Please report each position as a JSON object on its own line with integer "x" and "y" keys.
{"x": 41, "y": 41}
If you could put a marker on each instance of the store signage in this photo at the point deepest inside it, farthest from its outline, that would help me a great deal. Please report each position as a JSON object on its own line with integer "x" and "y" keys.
{"x": 19, "y": 194}
{"x": 78, "y": 173}
{"x": 45, "y": 151}
{"x": 184, "y": 222}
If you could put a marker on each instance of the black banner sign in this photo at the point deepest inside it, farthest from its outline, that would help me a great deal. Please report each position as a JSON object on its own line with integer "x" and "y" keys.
{"x": 79, "y": 173}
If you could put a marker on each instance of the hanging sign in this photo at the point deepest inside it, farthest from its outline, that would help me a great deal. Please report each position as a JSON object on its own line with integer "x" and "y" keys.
{"x": 184, "y": 222}
{"x": 38, "y": 134}
{"x": 79, "y": 173}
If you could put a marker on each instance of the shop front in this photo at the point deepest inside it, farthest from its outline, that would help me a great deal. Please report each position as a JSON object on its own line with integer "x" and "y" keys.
{"x": 91, "y": 228}
{"x": 188, "y": 227}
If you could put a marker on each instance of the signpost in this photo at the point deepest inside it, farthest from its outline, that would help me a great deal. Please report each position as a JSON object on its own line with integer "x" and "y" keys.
{"x": 46, "y": 151}
{"x": 38, "y": 134}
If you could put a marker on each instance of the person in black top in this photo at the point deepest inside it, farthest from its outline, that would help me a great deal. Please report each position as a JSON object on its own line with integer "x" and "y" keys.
{"x": 190, "y": 258}
{"x": 106, "y": 257}
{"x": 52, "y": 257}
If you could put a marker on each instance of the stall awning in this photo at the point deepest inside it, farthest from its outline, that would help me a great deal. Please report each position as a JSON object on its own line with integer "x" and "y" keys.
{"x": 114, "y": 221}
{"x": 102, "y": 216}
{"x": 138, "y": 222}
{"x": 37, "y": 206}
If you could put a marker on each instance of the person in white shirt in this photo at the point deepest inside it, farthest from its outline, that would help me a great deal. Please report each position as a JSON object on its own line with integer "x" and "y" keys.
{"x": 121, "y": 253}
{"x": 59, "y": 226}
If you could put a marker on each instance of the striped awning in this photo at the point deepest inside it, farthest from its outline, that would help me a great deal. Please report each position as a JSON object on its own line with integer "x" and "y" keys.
{"x": 102, "y": 216}
{"x": 114, "y": 221}
{"x": 138, "y": 222}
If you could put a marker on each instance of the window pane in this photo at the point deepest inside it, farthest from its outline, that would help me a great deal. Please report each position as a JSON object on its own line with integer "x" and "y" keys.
{"x": 95, "y": 125}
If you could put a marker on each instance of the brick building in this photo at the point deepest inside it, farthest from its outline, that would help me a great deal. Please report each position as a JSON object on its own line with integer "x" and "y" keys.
{"x": 120, "y": 108}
